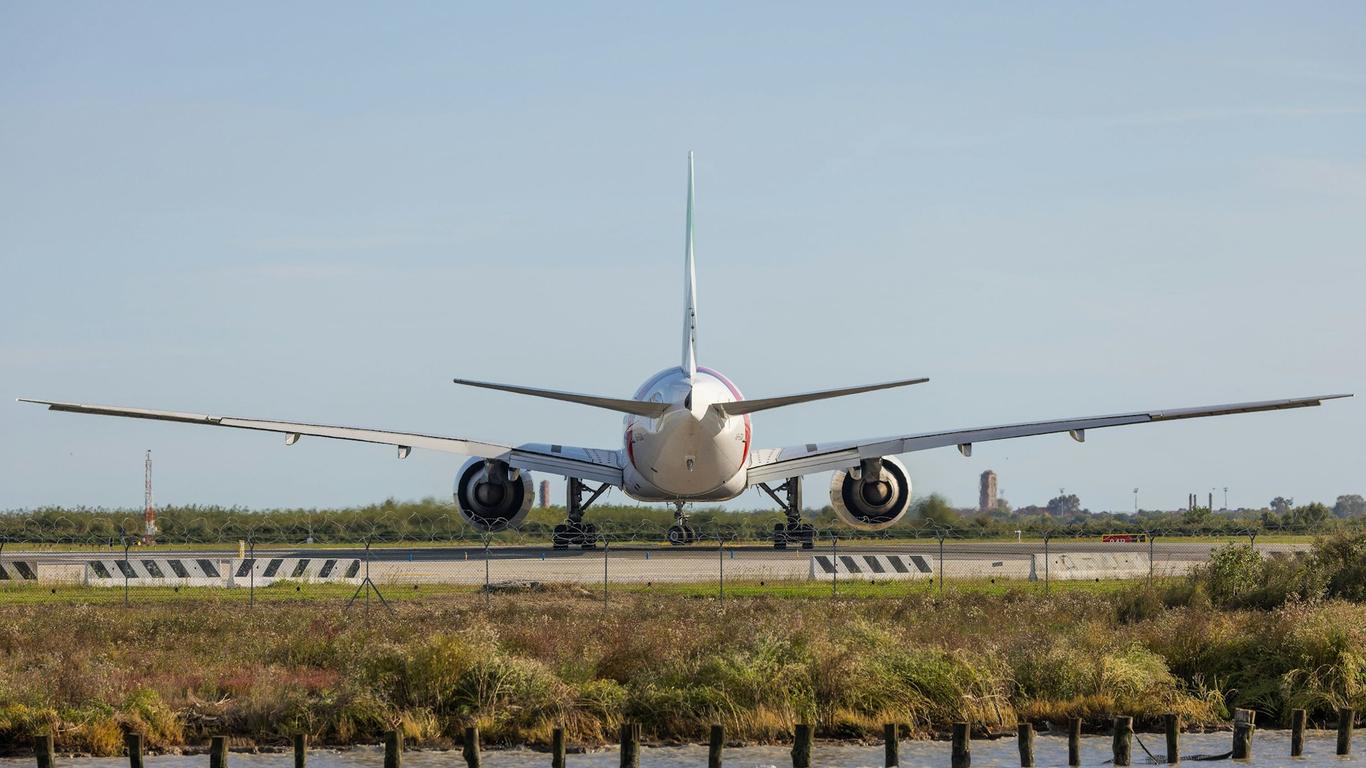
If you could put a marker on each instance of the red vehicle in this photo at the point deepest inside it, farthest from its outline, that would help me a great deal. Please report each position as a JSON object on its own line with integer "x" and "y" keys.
{"x": 1124, "y": 538}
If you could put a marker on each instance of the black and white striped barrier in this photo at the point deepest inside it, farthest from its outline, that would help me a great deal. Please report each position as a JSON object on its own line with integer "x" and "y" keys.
{"x": 218, "y": 572}
{"x": 872, "y": 566}
{"x": 18, "y": 570}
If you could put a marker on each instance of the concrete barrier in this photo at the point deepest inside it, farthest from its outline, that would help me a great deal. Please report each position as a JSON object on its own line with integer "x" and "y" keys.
{"x": 1090, "y": 566}
{"x": 217, "y": 571}
{"x": 18, "y": 570}
{"x": 872, "y": 567}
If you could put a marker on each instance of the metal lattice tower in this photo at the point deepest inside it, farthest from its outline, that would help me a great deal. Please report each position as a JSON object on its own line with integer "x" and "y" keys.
{"x": 149, "y": 513}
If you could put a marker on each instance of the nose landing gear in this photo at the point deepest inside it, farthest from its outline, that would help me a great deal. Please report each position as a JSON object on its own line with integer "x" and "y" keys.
{"x": 794, "y": 531}
{"x": 680, "y": 533}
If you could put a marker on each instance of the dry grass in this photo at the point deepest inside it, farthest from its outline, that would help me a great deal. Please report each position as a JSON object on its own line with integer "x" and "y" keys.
{"x": 179, "y": 671}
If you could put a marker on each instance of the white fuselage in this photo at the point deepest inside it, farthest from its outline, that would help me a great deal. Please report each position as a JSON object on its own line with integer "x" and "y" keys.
{"x": 691, "y": 452}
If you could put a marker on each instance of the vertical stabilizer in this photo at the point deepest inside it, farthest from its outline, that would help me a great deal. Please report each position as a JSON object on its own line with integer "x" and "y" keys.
{"x": 690, "y": 290}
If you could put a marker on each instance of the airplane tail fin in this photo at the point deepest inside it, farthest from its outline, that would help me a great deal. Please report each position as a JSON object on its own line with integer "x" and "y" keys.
{"x": 741, "y": 407}
{"x": 690, "y": 289}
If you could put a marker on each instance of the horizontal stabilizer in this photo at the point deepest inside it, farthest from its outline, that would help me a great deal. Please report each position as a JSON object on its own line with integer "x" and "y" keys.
{"x": 742, "y": 407}
{"x": 637, "y": 407}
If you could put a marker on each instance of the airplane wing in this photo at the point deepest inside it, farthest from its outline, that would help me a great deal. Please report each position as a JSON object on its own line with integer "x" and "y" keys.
{"x": 599, "y": 465}
{"x": 782, "y": 463}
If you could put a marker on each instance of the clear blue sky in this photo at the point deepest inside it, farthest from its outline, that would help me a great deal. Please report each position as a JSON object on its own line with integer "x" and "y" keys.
{"x": 323, "y": 212}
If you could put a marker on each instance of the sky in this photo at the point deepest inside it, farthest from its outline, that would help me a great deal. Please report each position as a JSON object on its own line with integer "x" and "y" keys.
{"x": 323, "y": 212}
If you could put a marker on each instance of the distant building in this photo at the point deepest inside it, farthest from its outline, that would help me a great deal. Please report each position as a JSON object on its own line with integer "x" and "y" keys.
{"x": 986, "y": 492}
{"x": 545, "y": 494}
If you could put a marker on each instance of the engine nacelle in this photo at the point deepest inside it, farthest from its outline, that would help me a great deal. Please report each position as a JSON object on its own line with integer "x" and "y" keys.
{"x": 493, "y": 502}
{"x": 872, "y": 496}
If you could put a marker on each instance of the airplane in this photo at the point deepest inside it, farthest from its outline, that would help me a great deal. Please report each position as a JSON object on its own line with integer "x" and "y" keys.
{"x": 687, "y": 437}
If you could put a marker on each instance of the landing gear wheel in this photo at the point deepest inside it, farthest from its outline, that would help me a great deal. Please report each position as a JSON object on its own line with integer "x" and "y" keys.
{"x": 779, "y": 536}
{"x": 679, "y": 535}
{"x": 561, "y": 538}
{"x": 589, "y": 538}
{"x": 794, "y": 533}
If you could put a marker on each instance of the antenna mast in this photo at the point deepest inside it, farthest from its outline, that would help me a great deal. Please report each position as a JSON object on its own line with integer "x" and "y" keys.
{"x": 149, "y": 513}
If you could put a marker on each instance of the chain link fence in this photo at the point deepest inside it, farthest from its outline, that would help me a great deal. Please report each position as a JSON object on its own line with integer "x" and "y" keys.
{"x": 388, "y": 560}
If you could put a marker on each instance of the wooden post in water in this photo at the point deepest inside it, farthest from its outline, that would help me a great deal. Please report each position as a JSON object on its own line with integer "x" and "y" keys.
{"x": 962, "y": 746}
{"x": 393, "y": 749}
{"x": 801, "y": 746}
{"x": 471, "y": 749}
{"x": 1074, "y": 741}
{"x": 133, "y": 742}
{"x": 630, "y": 745}
{"x": 1243, "y": 722}
{"x": 42, "y": 749}
{"x": 557, "y": 747}
{"x": 218, "y": 752}
{"x": 1024, "y": 733}
{"x": 1123, "y": 741}
{"x": 1298, "y": 719}
{"x": 716, "y": 742}
{"x": 300, "y": 750}
{"x": 1346, "y": 715}
{"x": 1172, "y": 723}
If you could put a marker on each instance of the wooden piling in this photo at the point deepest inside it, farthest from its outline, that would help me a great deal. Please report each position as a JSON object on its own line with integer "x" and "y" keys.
{"x": 801, "y": 746}
{"x": 1298, "y": 719}
{"x": 42, "y": 749}
{"x": 133, "y": 743}
{"x": 218, "y": 752}
{"x": 393, "y": 749}
{"x": 1244, "y": 721}
{"x": 962, "y": 746}
{"x": 1074, "y": 741}
{"x": 557, "y": 748}
{"x": 1171, "y": 722}
{"x": 891, "y": 745}
{"x": 1024, "y": 734}
{"x": 716, "y": 742}
{"x": 1346, "y": 716}
{"x": 630, "y": 745}
{"x": 471, "y": 748}
{"x": 1122, "y": 745}
{"x": 300, "y": 750}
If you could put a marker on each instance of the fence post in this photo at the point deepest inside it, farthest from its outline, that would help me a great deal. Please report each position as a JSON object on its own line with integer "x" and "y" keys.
{"x": 133, "y": 742}
{"x": 218, "y": 752}
{"x": 801, "y": 746}
{"x": 1047, "y": 562}
{"x": 1172, "y": 723}
{"x": 471, "y": 750}
{"x": 1243, "y": 720}
{"x": 962, "y": 746}
{"x": 721, "y": 565}
{"x": 1298, "y": 718}
{"x": 1346, "y": 716}
{"x": 1024, "y": 734}
{"x": 557, "y": 747}
{"x": 42, "y": 749}
{"x": 1122, "y": 745}
{"x": 941, "y": 561}
{"x": 488, "y": 587}
{"x": 1150, "y": 558}
{"x": 300, "y": 750}
{"x": 393, "y": 749}
{"x": 630, "y": 745}
{"x": 891, "y": 745}
{"x": 715, "y": 743}
{"x": 834, "y": 565}
{"x": 251, "y": 574}
{"x": 1074, "y": 741}
{"x": 606, "y": 545}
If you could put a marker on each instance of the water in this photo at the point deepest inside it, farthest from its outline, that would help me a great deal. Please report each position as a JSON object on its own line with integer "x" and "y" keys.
{"x": 1270, "y": 748}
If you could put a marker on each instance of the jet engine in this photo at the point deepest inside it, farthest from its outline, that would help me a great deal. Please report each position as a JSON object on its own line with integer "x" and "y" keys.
{"x": 873, "y": 495}
{"x": 491, "y": 495}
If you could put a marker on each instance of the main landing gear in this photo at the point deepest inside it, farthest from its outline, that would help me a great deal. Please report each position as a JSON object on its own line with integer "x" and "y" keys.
{"x": 574, "y": 532}
{"x": 794, "y": 531}
{"x": 680, "y": 532}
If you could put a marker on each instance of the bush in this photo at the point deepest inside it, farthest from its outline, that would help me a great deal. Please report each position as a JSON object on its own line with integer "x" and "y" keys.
{"x": 1341, "y": 561}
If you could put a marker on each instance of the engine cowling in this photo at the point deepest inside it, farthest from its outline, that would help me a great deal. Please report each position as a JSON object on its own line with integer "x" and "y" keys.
{"x": 871, "y": 501}
{"x": 493, "y": 502}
